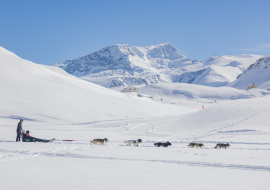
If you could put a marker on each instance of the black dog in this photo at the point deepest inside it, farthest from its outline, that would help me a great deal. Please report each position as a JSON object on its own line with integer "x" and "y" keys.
{"x": 159, "y": 144}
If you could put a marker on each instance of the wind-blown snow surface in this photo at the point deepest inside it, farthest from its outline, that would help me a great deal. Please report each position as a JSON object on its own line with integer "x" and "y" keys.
{"x": 83, "y": 111}
{"x": 124, "y": 65}
{"x": 257, "y": 73}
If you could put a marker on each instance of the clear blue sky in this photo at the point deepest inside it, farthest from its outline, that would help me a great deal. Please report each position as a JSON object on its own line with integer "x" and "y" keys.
{"x": 50, "y": 31}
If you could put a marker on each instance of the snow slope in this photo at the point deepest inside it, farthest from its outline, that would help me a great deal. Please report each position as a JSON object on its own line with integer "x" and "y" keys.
{"x": 46, "y": 93}
{"x": 214, "y": 76}
{"x": 125, "y": 65}
{"x": 235, "y": 117}
{"x": 240, "y": 61}
{"x": 257, "y": 73}
{"x": 181, "y": 92}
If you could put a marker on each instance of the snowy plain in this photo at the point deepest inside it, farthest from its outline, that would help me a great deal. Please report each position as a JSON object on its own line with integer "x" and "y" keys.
{"x": 57, "y": 105}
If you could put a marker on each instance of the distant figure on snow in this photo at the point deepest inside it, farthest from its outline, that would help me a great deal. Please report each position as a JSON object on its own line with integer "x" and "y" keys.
{"x": 19, "y": 130}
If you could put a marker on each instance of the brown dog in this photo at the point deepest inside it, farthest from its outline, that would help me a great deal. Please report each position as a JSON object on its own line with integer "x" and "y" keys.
{"x": 99, "y": 141}
{"x": 197, "y": 145}
{"x": 222, "y": 145}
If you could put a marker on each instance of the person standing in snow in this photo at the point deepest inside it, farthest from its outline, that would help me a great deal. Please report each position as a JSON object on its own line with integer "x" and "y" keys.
{"x": 19, "y": 130}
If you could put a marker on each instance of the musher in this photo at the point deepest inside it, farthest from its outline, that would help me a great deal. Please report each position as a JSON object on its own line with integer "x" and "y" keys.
{"x": 19, "y": 130}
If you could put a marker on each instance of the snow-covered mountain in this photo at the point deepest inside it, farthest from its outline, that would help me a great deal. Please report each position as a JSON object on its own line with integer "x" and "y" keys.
{"x": 240, "y": 61}
{"x": 49, "y": 94}
{"x": 126, "y": 60}
{"x": 257, "y": 73}
{"x": 214, "y": 76}
{"x": 124, "y": 65}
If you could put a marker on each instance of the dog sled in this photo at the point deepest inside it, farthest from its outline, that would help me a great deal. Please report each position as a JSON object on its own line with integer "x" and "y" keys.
{"x": 26, "y": 138}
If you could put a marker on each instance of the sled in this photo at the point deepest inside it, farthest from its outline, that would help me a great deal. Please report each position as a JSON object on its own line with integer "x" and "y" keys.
{"x": 26, "y": 138}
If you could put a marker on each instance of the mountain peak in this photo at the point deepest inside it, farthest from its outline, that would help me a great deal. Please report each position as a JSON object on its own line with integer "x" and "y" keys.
{"x": 165, "y": 44}
{"x": 123, "y": 58}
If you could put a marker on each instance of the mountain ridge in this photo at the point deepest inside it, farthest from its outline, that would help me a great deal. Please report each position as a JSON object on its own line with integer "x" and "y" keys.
{"x": 257, "y": 73}
{"x": 125, "y": 65}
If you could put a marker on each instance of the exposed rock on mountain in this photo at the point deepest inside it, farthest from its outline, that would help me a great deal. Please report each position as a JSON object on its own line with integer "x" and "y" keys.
{"x": 124, "y": 65}
{"x": 125, "y": 59}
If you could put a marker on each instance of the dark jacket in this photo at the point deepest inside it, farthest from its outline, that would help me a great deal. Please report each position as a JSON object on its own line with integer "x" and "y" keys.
{"x": 19, "y": 127}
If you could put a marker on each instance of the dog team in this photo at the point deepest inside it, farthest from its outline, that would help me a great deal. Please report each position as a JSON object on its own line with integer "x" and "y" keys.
{"x": 159, "y": 144}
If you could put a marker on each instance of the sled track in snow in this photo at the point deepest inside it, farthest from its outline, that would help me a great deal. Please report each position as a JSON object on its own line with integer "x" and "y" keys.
{"x": 188, "y": 163}
{"x": 11, "y": 155}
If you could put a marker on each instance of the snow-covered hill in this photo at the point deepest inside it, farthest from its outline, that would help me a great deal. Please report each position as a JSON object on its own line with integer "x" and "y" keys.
{"x": 227, "y": 118}
{"x": 214, "y": 76}
{"x": 176, "y": 92}
{"x": 240, "y": 61}
{"x": 195, "y": 96}
{"x": 257, "y": 73}
{"x": 45, "y": 93}
{"x": 125, "y": 65}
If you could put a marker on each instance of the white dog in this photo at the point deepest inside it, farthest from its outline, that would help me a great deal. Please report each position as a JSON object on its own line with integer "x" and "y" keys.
{"x": 133, "y": 142}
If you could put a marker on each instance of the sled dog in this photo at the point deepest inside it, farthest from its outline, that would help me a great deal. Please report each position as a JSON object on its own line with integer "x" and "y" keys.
{"x": 191, "y": 145}
{"x": 220, "y": 145}
{"x": 99, "y": 141}
{"x": 197, "y": 145}
{"x": 133, "y": 142}
{"x": 166, "y": 144}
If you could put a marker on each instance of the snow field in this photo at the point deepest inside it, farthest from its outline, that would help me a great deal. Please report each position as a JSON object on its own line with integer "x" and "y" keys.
{"x": 82, "y": 165}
